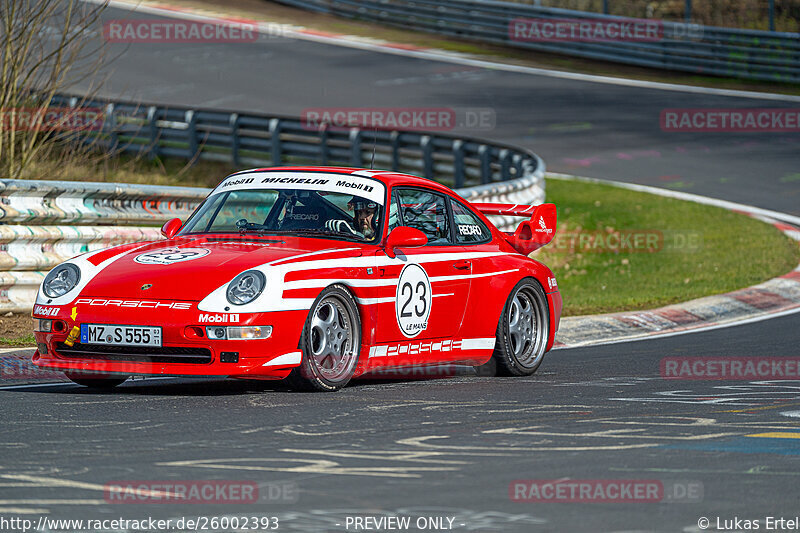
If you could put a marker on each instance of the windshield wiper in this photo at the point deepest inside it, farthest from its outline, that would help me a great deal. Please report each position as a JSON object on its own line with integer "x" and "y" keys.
{"x": 327, "y": 232}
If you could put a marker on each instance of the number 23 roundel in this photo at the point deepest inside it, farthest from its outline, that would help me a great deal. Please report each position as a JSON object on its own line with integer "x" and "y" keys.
{"x": 413, "y": 300}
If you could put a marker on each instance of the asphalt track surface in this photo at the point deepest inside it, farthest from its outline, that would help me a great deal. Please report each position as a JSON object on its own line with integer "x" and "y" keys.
{"x": 443, "y": 447}
{"x": 432, "y": 447}
{"x": 578, "y": 127}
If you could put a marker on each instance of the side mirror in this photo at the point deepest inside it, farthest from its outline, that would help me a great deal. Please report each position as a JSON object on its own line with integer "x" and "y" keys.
{"x": 171, "y": 227}
{"x": 404, "y": 237}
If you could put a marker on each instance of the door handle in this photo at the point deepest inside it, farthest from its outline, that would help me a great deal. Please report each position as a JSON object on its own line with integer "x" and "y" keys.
{"x": 462, "y": 265}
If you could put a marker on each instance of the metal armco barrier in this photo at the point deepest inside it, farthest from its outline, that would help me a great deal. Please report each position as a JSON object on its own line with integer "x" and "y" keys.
{"x": 749, "y": 54}
{"x": 72, "y": 202}
{"x": 43, "y": 223}
{"x": 249, "y": 140}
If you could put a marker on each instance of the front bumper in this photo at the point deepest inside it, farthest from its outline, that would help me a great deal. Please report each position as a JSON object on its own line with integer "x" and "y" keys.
{"x": 183, "y": 351}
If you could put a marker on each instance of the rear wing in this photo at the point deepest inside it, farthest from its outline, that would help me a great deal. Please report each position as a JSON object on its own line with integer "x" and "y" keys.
{"x": 531, "y": 234}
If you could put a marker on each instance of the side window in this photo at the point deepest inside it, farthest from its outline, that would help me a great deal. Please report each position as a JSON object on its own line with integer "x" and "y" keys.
{"x": 394, "y": 212}
{"x": 426, "y": 212}
{"x": 469, "y": 228}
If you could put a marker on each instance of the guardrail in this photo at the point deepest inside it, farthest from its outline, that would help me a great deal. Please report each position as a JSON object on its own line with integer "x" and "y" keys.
{"x": 249, "y": 139}
{"x": 43, "y": 223}
{"x": 707, "y": 50}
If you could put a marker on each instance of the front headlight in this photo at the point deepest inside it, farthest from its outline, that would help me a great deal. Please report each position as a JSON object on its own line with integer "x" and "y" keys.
{"x": 246, "y": 287}
{"x": 61, "y": 280}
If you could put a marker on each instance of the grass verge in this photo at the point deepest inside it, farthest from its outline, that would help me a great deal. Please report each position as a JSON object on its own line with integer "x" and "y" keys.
{"x": 686, "y": 251}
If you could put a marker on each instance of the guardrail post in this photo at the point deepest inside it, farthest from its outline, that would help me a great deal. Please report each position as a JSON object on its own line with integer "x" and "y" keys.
{"x": 324, "y": 150}
{"x": 458, "y": 163}
{"x": 355, "y": 147}
{"x": 275, "y": 138}
{"x": 771, "y": 15}
{"x": 191, "y": 131}
{"x": 485, "y": 153}
{"x": 395, "y": 140}
{"x": 517, "y": 162}
{"x": 73, "y": 103}
{"x": 505, "y": 164}
{"x": 110, "y": 128}
{"x": 234, "y": 122}
{"x": 427, "y": 156}
{"x": 152, "y": 118}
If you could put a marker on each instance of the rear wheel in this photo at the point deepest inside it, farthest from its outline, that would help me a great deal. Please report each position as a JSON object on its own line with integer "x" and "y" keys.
{"x": 522, "y": 332}
{"x": 96, "y": 381}
{"x": 331, "y": 342}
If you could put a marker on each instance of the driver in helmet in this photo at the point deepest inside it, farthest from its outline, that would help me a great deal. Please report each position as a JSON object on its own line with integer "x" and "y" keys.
{"x": 365, "y": 219}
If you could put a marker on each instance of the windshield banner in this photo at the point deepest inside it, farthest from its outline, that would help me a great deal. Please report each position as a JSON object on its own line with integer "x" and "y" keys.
{"x": 370, "y": 189}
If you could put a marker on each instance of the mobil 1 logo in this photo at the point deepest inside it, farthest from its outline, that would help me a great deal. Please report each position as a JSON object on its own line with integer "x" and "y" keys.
{"x": 413, "y": 300}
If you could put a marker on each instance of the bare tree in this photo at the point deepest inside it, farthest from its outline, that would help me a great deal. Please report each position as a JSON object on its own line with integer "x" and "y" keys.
{"x": 47, "y": 47}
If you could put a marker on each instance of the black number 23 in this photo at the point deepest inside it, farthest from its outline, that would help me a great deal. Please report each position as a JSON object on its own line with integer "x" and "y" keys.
{"x": 421, "y": 293}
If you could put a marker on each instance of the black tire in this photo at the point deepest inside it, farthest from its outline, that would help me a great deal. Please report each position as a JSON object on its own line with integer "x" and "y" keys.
{"x": 97, "y": 382}
{"x": 330, "y": 342}
{"x": 522, "y": 331}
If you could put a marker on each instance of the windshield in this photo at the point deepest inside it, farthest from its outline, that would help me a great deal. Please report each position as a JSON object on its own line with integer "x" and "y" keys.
{"x": 284, "y": 210}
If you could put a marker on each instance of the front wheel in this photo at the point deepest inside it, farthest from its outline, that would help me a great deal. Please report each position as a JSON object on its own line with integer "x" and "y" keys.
{"x": 96, "y": 381}
{"x": 523, "y": 330}
{"x": 331, "y": 342}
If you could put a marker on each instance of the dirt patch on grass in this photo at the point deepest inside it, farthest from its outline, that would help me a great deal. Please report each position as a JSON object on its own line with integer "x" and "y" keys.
{"x": 16, "y": 329}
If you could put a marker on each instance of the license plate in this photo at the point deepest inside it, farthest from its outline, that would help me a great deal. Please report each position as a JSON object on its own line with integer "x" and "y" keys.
{"x": 120, "y": 335}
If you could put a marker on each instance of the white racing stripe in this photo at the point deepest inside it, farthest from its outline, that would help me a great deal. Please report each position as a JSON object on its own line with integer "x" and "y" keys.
{"x": 472, "y": 276}
{"x": 291, "y": 358}
{"x": 426, "y": 347}
{"x": 88, "y": 272}
{"x": 378, "y": 261}
{"x": 371, "y": 173}
{"x": 478, "y": 344}
{"x": 285, "y": 260}
{"x": 272, "y": 297}
{"x": 382, "y": 282}
{"x": 319, "y": 283}
{"x": 372, "y": 301}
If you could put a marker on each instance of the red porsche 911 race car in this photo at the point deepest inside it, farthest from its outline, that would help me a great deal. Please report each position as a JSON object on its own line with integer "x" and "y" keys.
{"x": 312, "y": 274}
